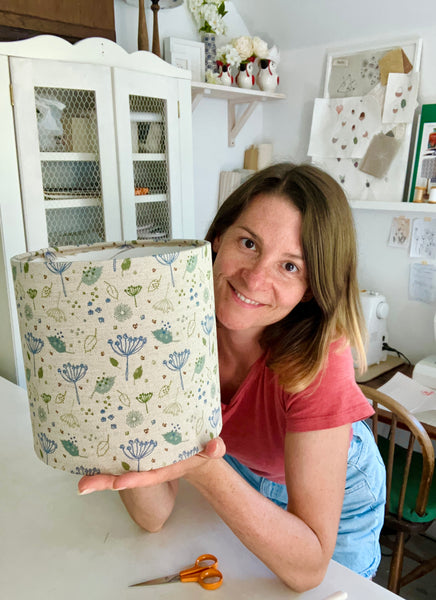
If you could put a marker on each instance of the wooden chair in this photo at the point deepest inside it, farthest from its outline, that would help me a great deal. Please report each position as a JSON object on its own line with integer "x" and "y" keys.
{"x": 411, "y": 495}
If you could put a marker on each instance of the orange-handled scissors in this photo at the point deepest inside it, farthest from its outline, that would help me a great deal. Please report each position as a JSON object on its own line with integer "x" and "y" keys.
{"x": 204, "y": 571}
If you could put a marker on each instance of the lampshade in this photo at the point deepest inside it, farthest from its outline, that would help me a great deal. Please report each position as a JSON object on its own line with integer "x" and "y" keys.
{"x": 120, "y": 353}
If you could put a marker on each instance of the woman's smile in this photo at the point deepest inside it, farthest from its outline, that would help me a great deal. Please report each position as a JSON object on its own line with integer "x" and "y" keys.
{"x": 246, "y": 300}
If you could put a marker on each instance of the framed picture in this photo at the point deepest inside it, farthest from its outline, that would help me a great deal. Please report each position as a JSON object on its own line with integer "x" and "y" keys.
{"x": 185, "y": 54}
{"x": 362, "y": 128}
{"x": 423, "y": 177}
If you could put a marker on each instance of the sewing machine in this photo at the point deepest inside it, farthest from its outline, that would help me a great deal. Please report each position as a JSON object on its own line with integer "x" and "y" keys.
{"x": 375, "y": 311}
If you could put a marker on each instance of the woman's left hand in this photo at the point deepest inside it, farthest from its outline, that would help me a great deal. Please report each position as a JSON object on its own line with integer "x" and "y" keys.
{"x": 93, "y": 483}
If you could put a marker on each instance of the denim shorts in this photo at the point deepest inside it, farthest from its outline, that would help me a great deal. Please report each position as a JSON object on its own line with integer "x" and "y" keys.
{"x": 357, "y": 543}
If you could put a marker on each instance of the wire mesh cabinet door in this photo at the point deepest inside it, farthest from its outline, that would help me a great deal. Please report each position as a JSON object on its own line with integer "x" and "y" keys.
{"x": 154, "y": 146}
{"x": 66, "y": 152}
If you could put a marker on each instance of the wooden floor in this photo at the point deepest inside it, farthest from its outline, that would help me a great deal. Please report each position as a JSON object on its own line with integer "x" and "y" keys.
{"x": 421, "y": 589}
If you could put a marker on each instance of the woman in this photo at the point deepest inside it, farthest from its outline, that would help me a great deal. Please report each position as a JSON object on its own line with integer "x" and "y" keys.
{"x": 287, "y": 308}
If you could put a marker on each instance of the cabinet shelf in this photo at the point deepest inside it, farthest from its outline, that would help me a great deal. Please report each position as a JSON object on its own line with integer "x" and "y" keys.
{"x": 144, "y": 157}
{"x": 147, "y": 198}
{"x": 146, "y": 117}
{"x": 68, "y": 156}
{"x": 234, "y": 96}
{"x": 72, "y": 203}
{"x": 399, "y": 207}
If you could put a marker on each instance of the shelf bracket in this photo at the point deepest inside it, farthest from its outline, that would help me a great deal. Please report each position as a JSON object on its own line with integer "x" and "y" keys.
{"x": 235, "y": 124}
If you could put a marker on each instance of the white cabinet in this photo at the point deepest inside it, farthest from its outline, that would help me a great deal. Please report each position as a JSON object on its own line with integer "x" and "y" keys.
{"x": 96, "y": 145}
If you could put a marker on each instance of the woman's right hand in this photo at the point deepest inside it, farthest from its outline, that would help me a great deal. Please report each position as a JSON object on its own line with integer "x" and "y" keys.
{"x": 93, "y": 483}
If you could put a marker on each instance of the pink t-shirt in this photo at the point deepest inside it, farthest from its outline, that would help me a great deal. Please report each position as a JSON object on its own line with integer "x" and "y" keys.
{"x": 257, "y": 418}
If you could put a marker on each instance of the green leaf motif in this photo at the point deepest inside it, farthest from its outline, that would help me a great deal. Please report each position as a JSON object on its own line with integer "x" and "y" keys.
{"x": 32, "y": 293}
{"x": 199, "y": 364}
{"x": 26, "y": 267}
{"x": 191, "y": 264}
{"x": 164, "y": 390}
{"x": 191, "y": 327}
{"x": 111, "y": 290}
{"x": 173, "y": 437}
{"x": 46, "y": 291}
{"x": 103, "y": 447}
{"x": 163, "y": 335}
{"x": 125, "y": 466}
{"x": 90, "y": 342}
{"x": 40, "y": 373}
{"x": 137, "y": 374}
{"x": 403, "y": 103}
{"x": 57, "y": 344}
{"x": 70, "y": 447}
{"x": 46, "y": 398}
{"x": 103, "y": 384}
{"x": 154, "y": 284}
{"x": 125, "y": 265}
{"x": 114, "y": 362}
{"x": 90, "y": 275}
{"x": 123, "y": 398}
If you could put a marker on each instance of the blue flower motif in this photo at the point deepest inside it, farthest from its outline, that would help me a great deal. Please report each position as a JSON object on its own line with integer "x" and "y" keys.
{"x": 207, "y": 326}
{"x": 177, "y": 361}
{"x": 48, "y": 446}
{"x": 35, "y": 345}
{"x": 137, "y": 450}
{"x": 215, "y": 418}
{"x": 167, "y": 259}
{"x": 126, "y": 346}
{"x": 73, "y": 374}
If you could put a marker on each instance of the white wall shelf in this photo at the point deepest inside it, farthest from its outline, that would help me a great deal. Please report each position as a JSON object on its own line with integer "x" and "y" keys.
{"x": 234, "y": 96}
{"x": 402, "y": 207}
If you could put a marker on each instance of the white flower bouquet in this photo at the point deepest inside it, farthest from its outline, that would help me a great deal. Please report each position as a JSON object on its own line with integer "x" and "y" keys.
{"x": 250, "y": 48}
{"x": 228, "y": 55}
{"x": 209, "y": 14}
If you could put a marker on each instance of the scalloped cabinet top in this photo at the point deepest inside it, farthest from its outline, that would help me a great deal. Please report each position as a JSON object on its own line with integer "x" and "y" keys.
{"x": 91, "y": 50}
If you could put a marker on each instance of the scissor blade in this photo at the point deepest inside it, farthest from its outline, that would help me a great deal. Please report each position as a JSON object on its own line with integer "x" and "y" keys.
{"x": 158, "y": 580}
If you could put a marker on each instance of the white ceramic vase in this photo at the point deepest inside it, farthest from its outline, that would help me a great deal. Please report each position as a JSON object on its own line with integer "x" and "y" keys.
{"x": 245, "y": 77}
{"x": 267, "y": 78}
{"x": 224, "y": 75}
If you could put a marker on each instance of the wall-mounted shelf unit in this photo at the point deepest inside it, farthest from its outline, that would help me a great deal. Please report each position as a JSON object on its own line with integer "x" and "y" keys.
{"x": 399, "y": 207}
{"x": 234, "y": 96}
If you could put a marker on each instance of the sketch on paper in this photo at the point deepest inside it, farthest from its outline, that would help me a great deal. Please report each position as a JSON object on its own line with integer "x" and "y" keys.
{"x": 422, "y": 283}
{"x": 399, "y": 236}
{"x": 343, "y": 127}
{"x": 400, "y": 100}
{"x": 423, "y": 239}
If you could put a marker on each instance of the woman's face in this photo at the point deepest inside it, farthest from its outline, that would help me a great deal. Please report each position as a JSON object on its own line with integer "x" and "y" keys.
{"x": 259, "y": 270}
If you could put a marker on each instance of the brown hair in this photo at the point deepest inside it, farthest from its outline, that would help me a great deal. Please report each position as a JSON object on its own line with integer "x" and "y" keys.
{"x": 298, "y": 344}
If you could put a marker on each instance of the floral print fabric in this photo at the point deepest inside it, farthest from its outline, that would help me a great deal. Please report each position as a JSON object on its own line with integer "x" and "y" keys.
{"x": 120, "y": 352}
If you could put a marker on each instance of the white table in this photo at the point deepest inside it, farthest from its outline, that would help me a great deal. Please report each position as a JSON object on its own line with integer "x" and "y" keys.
{"x": 57, "y": 544}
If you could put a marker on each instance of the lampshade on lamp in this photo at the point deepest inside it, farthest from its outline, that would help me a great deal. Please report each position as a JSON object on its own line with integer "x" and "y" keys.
{"x": 120, "y": 353}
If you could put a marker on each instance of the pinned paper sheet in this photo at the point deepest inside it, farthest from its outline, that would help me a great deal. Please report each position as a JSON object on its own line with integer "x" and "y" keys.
{"x": 394, "y": 61}
{"x": 422, "y": 283}
{"x": 423, "y": 239}
{"x": 399, "y": 236}
{"x": 380, "y": 154}
{"x": 400, "y": 101}
{"x": 343, "y": 127}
